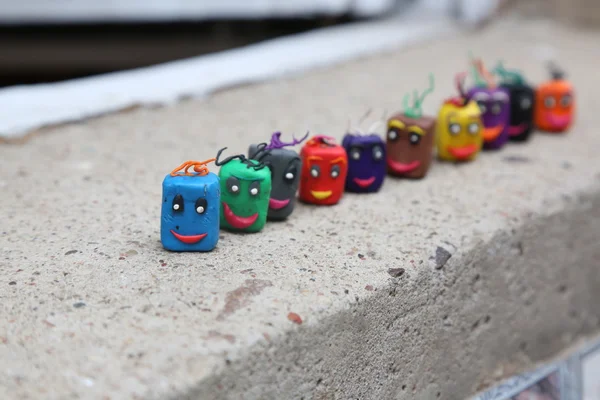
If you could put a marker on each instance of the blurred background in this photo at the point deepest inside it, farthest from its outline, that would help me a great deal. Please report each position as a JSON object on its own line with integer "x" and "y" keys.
{"x": 46, "y": 41}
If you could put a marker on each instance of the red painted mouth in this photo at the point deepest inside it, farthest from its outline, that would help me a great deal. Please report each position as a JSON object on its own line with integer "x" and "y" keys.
{"x": 364, "y": 183}
{"x": 401, "y": 168}
{"x": 462, "y": 153}
{"x": 558, "y": 121}
{"x": 515, "y": 130}
{"x": 237, "y": 221}
{"x": 189, "y": 239}
{"x": 278, "y": 204}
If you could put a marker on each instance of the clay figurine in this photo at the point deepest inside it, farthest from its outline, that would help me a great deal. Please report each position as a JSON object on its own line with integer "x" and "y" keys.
{"x": 459, "y": 127}
{"x": 324, "y": 170}
{"x": 284, "y": 164}
{"x": 190, "y": 209}
{"x": 366, "y": 162}
{"x": 494, "y": 103}
{"x": 522, "y": 97}
{"x": 410, "y": 138}
{"x": 554, "y": 103}
{"x": 245, "y": 193}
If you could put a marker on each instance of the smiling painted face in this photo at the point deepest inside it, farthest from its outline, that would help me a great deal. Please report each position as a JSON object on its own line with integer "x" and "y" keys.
{"x": 409, "y": 145}
{"x": 522, "y": 100}
{"x": 324, "y": 170}
{"x": 459, "y": 131}
{"x": 366, "y": 162}
{"x": 245, "y": 193}
{"x": 554, "y": 106}
{"x": 190, "y": 213}
{"x": 495, "y": 114}
{"x": 285, "y": 166}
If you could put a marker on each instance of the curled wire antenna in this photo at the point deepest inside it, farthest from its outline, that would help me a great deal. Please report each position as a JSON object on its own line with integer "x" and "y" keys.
{"x": 276, "y": 142}
{"x": 200, "y": 168}
{"x": 256, "y": 165}
{"x": 415, "y": 111}
{"x": 482, "y": 76}
{"x": 508, "y": 76}
{"x": 555, "y": 71}
{"x": 459, "y": 80}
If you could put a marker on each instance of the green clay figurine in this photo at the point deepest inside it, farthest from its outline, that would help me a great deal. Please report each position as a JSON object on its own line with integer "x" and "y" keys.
{"x": 245, "y": 192}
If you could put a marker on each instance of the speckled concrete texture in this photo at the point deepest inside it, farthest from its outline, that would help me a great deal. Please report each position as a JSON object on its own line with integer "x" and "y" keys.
{"x": 430, "y": 289}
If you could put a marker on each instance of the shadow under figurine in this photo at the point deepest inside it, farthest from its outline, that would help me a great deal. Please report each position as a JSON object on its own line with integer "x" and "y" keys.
{"x": 410, "y": 138}
{"x": 522, "y": 98}
{"x": 555, "y": 103}
{"x": 366, "y": 162}
{"x": 324, "y": 170}
{"x": 459, "y": 128}
{"x": 494, "y": 103}
{"x": 285, "y": 166}
{"x": 190, "y": 209}
{"x": 245, "y": 193}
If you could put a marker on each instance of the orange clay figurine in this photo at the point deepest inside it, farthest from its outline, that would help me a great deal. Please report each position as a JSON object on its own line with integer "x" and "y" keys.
{"x": 554, "y": 103}
{"x": 324, "y": 170}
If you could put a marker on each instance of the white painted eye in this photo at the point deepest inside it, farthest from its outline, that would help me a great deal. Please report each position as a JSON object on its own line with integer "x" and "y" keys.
{"x": 392, "y": 135}
{"x": 254, "y": 191}
{"x": 496, "y": 109}
{"x": 565, "y": 101}
{"x": 454, "y": 129}
{"x": 473, "y": 128}
{"x": 200, "y": 210}
{"x": 289, "y": 175}
{"x": 549, "y": 102}
{"x": 525, "y": 103}
{"x": 356, "y": 155}
{"x": 482, "y": 107}
{"x": 175, "y": 207}
{"x": 235, "y": 188}
{"x": 334, "y": 174}
{"x": 314, "y": 172}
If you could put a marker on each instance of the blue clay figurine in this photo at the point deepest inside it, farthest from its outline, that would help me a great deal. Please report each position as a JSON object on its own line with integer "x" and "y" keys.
{"x": 190, "y": 208}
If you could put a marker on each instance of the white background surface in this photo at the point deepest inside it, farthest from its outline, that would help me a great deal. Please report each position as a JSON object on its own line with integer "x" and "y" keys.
{"x": 25, "y": 108}
{"x": 157, "y": 10}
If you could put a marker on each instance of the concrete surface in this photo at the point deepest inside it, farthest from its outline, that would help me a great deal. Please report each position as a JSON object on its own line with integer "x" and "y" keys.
{"x": 430, "y": 289}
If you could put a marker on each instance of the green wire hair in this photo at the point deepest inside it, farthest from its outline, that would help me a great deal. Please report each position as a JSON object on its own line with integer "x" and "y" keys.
{"x": 415, "y": 111}
{"x": 508, "y": 76}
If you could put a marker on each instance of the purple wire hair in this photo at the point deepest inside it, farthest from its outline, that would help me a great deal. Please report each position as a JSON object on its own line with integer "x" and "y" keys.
{"x": 276, "y": 143}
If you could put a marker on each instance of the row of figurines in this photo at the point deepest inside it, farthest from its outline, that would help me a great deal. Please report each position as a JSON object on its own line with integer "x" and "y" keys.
{"x": 251, "y": 189}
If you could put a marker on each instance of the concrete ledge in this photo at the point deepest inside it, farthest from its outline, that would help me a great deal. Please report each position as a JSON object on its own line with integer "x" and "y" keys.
{"x": 93, "y": 307}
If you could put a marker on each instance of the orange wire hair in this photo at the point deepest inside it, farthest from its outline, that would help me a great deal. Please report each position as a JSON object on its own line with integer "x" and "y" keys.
{"x": 484, "y": 73}
{"x": 200, "y": 168}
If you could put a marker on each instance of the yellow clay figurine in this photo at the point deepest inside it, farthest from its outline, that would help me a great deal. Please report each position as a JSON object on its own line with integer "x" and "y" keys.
{"x": 459, "y": 129}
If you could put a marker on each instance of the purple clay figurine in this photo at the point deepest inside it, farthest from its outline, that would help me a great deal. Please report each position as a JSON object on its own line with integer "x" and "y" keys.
{"x": 494, "y": 103}
{"x": 366, "y": 162}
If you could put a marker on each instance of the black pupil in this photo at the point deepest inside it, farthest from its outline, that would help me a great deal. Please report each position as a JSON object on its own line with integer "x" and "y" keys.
{"x": 178, "y": 203}
{"x": 201, "y": 202}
